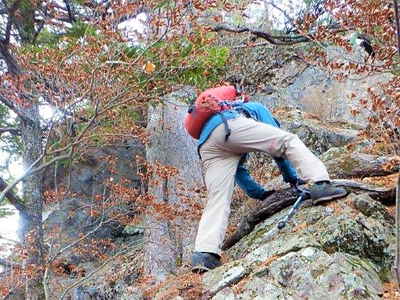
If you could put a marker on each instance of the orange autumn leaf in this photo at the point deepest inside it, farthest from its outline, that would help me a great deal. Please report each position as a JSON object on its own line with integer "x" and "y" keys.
{"x": 149, "y": 67}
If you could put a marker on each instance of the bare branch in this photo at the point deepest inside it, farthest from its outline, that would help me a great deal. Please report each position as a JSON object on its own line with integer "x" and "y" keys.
{"x": 32, "y": 170}
{"x": 9, "y": 240}
{"x": 14, "y": 199}
{"x": 137, "y": 244}
{"x": 26, "y": 173}
{"x": 275, "y": 40}
{"x": 11, "y": 105}
{"x": 69, "y": 246}
{"x": 50, "y": 162}
{"x": 7, "y": 264}
{"x": 10, "y": 130}
{"x": 70, "y": 10}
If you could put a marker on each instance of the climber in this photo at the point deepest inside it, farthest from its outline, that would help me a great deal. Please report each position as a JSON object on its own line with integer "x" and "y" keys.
{"x": 224, "y": 139}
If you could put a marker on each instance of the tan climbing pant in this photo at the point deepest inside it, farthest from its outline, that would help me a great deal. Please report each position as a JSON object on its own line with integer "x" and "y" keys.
{"x": 220, "y": 161}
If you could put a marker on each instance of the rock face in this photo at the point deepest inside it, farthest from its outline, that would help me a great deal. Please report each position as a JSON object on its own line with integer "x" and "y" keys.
{"x": 313, "y": 90}
{"x": 72, "y": 219}
{"x": 340, "y": 251}
{"x": 87, "y": 180}
{"x": 317, "y": 135}
{"x": 93, "y": 168}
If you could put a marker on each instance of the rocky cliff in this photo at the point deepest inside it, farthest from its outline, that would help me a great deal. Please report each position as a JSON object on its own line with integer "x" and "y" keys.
{"x": 342, "y": 249}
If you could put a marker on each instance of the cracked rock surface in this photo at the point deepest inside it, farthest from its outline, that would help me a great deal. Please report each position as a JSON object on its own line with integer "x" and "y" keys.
{"x": 342, "y": 250}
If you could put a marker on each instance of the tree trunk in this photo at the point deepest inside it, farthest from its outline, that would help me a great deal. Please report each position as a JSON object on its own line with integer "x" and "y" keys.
{"x": 12, "y": 65}
{"x": 169, "y": 239}
{"x": 32, "y": 193}
{"x": 31, "y": 136}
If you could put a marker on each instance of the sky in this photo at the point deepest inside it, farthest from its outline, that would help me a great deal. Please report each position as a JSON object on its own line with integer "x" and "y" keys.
{"x": 132, "y": 27}
{"x": 8, "y": 229}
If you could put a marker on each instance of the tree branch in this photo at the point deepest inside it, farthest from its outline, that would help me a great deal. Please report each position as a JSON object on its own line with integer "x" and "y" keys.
{"x": 11, "y": 13}
{"x": 137, "y": 245}
{"x": 12, "y": 65}
{"x": 7, "y": 264}
{"x": 9, "y": 240}
{"x": 14, "y": 199}
{"x": 32, "y": 170}
{"x": 275, "y": 40}
{"x": 11, "y": 105}
{"x": 10, "y": 130}
{"x": 70, "y": 10}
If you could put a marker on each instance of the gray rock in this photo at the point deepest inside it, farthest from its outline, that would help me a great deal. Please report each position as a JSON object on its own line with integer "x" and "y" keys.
{"x": 313, "y": 90}
{"x": 325, "y": 253}
{"x": 92, "y": 169}
{"x": 73, "y": 220}
{"x": 341, "y": 163}
{"x": 318, "y": 136}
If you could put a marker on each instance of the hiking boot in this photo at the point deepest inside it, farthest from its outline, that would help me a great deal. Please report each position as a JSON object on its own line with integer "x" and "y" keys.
{"x": 325, "y": 191}
{"x": 204, "y": 261}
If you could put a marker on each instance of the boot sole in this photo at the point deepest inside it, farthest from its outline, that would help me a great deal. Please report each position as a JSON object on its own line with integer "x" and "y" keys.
{"x": 200, "y": 269}
{"x": 328, "y": 198}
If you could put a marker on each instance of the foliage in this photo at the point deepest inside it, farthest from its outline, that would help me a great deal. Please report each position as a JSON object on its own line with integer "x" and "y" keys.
{"x": 99, "y": 85}
{"x": 81, "y": 29}
{"x": 47, "y": 38}
{"x": 6, "y": 211}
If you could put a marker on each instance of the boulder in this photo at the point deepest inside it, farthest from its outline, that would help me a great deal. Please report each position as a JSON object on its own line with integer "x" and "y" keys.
{"x": 343, "y": 250}
{"x": 340, "y": 250}
{"x": 88, "y": 173}
{"x": 311, "y": 89}
{"x": 319, "y": 136}
{"x": 342, "y": 163}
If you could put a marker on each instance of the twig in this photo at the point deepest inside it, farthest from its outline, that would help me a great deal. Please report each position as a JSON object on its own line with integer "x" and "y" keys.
{"x": 16, "y": 181}
{"x": 7, "y": 264}
{"x": 11, "y": 105}
{"x": 59, "y": 252}
{"x": 32, "y": 170}
{"x": 16, "y": 201}
{"x": 82, "y": 280}
{"x": 275, "y": 40}
{"x": 9, "y": 240}
{"x": 13, "y": 131}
